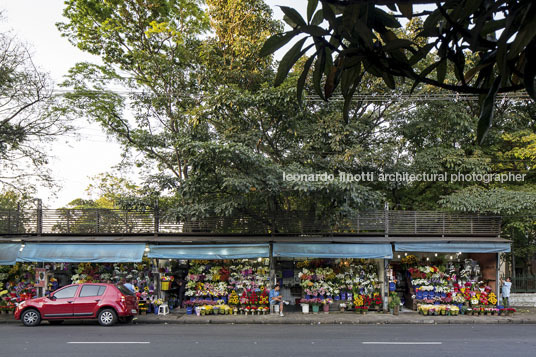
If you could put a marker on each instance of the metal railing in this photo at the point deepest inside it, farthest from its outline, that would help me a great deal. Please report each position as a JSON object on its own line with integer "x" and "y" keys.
{"x": 524, "y": 284}
{"x": 112, "y": 221}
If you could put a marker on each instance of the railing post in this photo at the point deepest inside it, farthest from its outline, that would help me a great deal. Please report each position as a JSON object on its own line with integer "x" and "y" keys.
{"x": 39, "y": 217}
{"x": 156, "y": 217}
{"x": 8, "y": 221}
{"x": 443, "y": 229}
{"x": 126, "y": 223}
{"x": 97, "y": 230}
{"x": 68, "y": 221}
{"x": 17, "y": 219}
{"x": 472, "y": 218}
{"x": 386, "y": 219}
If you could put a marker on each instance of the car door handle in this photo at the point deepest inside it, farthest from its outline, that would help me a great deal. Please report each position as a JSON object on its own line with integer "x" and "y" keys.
{"x": 97, "y": 300}
{"x": 70, "y": 302}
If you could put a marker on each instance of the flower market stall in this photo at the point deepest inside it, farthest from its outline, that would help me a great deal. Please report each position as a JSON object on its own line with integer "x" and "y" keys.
{"x": 17, "y": 283}
{"x": 337, "y": 275}
{"x": 354, "y": 282}
{"x": 446, "y": 282}
{"x": 232, "y": 286}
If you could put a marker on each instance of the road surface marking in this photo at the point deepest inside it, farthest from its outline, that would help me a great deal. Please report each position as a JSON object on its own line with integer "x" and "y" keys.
{"x": 402, "y": 343}
{"x": 111, "y": 342}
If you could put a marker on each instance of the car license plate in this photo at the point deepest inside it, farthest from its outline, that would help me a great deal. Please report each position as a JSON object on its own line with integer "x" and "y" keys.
{"x": 134, "y": 311}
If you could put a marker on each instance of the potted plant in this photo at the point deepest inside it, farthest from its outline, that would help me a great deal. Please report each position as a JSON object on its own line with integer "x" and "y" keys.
{"x": 394, "y": 303}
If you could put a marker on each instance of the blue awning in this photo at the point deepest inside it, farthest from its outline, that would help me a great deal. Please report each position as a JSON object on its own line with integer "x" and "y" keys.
{"x": 81, "y": 253}
{"x": 453, "y": 247}
{"x": 8, "y": 253}
{"x": 220, "y": 251}
{"x": 335, "y": 250}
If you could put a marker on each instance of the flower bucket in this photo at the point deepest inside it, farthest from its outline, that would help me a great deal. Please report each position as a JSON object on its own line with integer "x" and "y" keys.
{"x": 197, "y": 311}
{"x": 165, "y": 285}
{"x": 189, "y": 310}
{"x": 305, "y": 308}
{"x": 307, "y": 297}
{"x": 336, "y": 298}
{"x": 326, "y": 308}
{"x": 316, "y": 309}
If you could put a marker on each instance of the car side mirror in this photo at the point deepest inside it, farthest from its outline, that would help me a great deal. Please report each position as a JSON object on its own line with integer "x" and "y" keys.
{"x": 51, "y": 297}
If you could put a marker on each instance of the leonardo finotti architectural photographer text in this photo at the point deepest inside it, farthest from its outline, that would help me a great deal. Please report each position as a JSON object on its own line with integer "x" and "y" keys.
{"x": 405, "y": 177}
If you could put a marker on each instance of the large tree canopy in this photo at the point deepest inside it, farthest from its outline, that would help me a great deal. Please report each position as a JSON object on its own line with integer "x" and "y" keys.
{"x": 343, "y": 39}
{"x": 212, "y": 131}
{"x": 28, "y": 120}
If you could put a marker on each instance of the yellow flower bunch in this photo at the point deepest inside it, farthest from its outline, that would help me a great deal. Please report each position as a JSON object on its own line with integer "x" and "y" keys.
{"x": 233, "y": 298}
{"x": 492, "y": 298}
{"x": 303, "y": 264}
{"x": 409, "y": 260}
{"x": 358, "y": 301}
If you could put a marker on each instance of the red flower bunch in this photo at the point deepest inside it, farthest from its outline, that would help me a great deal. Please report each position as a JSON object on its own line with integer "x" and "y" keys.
{"x": 244, "y": 298}
{"x": 377, "y": 299}
{"x": 253, "y": 298}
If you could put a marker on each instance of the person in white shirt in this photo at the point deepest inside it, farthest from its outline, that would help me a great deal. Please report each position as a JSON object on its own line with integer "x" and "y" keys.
{"x": 505, "y": 291}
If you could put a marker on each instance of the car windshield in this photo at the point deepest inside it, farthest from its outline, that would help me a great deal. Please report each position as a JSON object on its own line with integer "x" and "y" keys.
{"x": 124, "y": 290}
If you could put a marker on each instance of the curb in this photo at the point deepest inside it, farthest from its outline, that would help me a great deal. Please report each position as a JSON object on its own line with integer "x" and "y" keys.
{"x": 310, "y": 321}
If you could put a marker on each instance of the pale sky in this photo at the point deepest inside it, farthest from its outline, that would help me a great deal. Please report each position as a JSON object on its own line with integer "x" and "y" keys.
{"x": 73, "y": 160}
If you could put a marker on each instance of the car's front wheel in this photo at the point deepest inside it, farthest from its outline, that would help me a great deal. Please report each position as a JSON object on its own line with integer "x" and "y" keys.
{"x": 31, "y": 317}
{"x": 107, "y": 317}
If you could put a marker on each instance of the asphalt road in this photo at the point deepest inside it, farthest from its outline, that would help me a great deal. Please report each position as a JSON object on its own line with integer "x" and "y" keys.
{"x": 268, "y": 340}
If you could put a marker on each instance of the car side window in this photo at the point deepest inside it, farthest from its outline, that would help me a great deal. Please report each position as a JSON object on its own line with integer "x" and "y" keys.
{"x": 66, "y": 292}
{"x": 92, "y": 290}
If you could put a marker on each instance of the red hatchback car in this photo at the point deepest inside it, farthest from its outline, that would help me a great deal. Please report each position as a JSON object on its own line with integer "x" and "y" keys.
{"x": 107, "y": 303}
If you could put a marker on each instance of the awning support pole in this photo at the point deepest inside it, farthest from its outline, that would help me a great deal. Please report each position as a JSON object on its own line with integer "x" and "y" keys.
{"x": 497, "y": 286}
{"x": 385, "y": 292}
{"x": 272, "y": 266}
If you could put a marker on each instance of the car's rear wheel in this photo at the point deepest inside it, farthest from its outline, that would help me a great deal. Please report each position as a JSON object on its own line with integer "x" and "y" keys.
{"x": 107, "y": 317}
{"x": 31, "y": 317}
{"x": 55, "y": 322}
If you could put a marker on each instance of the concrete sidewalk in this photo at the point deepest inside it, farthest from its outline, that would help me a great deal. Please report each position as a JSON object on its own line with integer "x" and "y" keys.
{"x": 523, "y": 316}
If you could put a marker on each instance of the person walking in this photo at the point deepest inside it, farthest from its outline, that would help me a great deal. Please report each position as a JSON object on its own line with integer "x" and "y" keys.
{"x": 505, "y": 291}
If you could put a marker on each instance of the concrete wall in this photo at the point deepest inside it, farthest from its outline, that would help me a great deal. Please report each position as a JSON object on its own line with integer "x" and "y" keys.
{"x": 526, "y": 299}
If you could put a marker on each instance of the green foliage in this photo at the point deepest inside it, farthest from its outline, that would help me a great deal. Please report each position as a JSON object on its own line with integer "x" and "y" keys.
{"x": 356, "y": 36}
{"x": 497, "y": 201}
